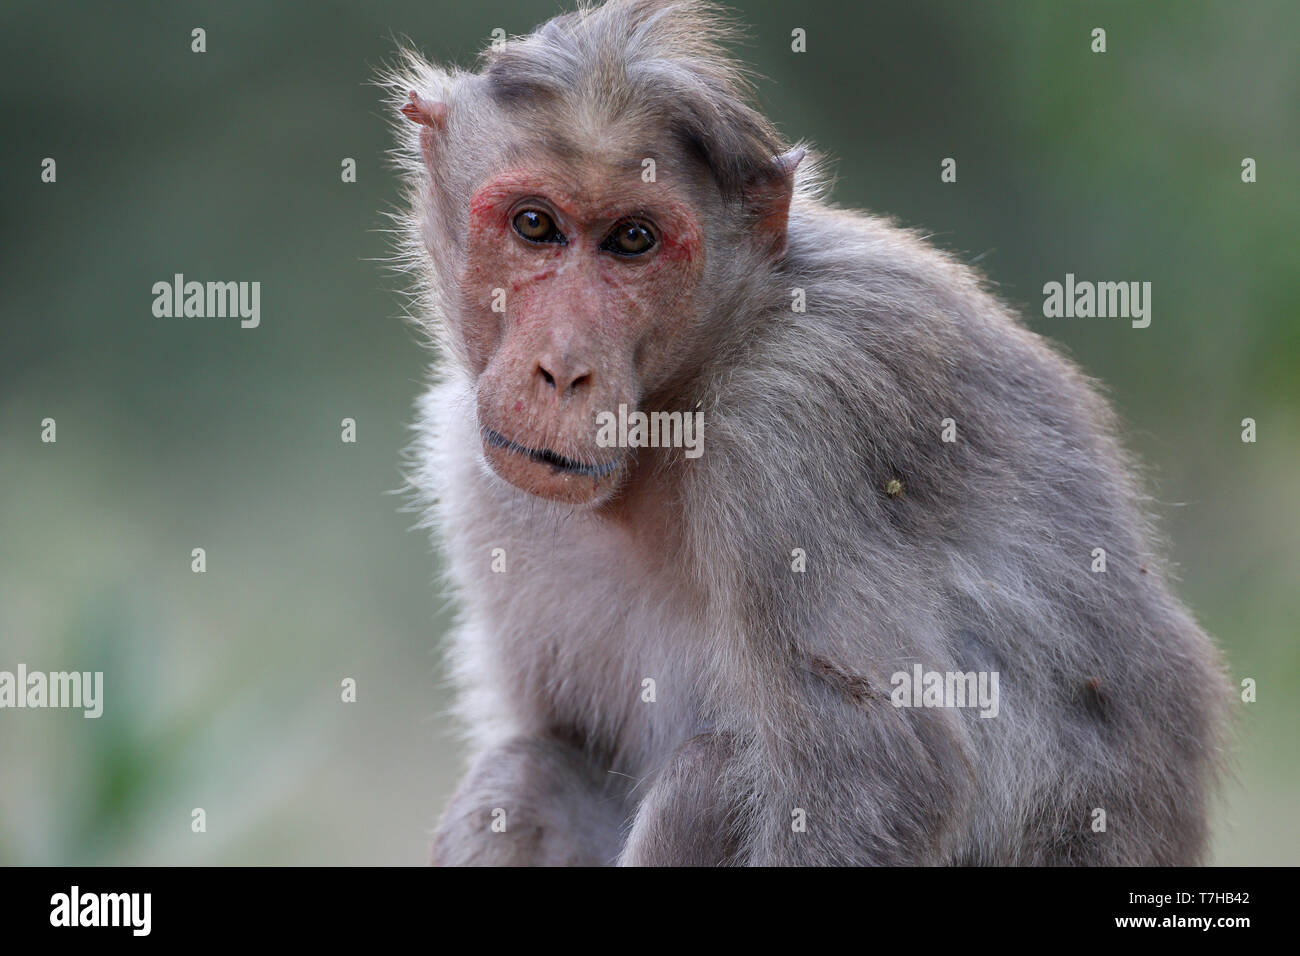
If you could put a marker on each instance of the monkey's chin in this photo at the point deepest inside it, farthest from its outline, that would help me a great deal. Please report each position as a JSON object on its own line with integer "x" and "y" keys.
{"x": 550, "y": 475}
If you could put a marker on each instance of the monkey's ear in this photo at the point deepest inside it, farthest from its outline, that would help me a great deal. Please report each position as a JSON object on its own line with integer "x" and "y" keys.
{"x": 769, "y": 195}
{"x": 428, "y": 113}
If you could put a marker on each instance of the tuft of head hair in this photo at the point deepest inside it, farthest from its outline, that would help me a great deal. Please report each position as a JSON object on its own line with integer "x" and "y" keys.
{"x": 662, "y": 64}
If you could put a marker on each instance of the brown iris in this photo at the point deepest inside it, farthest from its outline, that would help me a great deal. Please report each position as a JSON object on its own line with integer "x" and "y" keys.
{"x": 536, "y": 226}
{"x": 629, "y": 238}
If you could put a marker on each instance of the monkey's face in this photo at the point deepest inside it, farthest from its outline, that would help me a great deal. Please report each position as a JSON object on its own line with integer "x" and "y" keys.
{"x": 577, "y": 297}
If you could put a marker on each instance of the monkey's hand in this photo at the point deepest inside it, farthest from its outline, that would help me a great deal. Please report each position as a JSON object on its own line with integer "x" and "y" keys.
{"x": 530, "y": 802}
{"x": 686, "y": 817}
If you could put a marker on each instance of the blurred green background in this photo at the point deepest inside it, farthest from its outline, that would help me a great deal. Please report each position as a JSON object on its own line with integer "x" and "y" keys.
{"x": 223, "y": 687}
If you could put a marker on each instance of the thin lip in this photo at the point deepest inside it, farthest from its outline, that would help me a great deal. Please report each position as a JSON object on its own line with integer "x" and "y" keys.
{"x": 545, "y": 457}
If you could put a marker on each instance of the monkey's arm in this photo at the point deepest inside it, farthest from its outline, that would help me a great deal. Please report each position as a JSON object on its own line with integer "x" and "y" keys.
{"x": 856, "y": 785}
{"x": 530, "y": 802}
{"x": 687, "y": 818}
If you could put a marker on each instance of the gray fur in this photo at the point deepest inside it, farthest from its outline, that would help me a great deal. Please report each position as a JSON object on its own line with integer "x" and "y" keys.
{"x": 773, "y": 686}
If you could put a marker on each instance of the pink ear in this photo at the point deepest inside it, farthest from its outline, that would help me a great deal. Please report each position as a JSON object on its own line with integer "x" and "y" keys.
{"x": 769, "y": 197}
{"x": 428, "y": 113}
{"x": 788, "y": 162}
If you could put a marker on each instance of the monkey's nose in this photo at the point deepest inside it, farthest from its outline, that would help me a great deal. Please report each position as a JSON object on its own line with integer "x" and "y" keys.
{"x": 564, "y": 377}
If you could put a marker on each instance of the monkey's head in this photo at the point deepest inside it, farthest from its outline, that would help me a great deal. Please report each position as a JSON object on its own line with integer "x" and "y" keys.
{"x": 584, "y": 200}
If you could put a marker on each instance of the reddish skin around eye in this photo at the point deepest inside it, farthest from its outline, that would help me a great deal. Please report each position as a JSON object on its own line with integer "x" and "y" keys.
{"x": 518, "y": 284}
{"x": 483, "y": 203}
{"x": 584, "y": 330}
{"x": 680, "y": 249}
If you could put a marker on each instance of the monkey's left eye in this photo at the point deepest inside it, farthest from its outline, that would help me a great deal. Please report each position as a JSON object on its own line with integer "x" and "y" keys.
{"x": 536, "y": 226}
{"x": 629, "y": 238}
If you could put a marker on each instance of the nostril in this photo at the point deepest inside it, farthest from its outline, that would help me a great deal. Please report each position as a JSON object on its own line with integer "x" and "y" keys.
{"x": 561, "y": 378}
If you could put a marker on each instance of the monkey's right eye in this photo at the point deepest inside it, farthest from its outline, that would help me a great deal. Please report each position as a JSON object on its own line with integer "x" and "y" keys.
{"x": 536, "y": 226}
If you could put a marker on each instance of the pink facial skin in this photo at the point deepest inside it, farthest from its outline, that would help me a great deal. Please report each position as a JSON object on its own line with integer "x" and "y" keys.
{"x": 582, "y": 330}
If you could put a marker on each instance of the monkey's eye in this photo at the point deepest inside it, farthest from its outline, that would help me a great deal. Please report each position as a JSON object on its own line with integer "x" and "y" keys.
{"x": 536, "y": 226}
{"x": 629, "y": 238}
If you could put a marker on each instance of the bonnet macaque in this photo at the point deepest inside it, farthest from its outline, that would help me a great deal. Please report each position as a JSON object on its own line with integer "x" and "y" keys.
{"x": 749, "y": 582}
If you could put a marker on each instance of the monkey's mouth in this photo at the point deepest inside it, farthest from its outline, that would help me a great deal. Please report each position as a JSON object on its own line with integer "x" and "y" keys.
{"x": 545, "y": 456}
